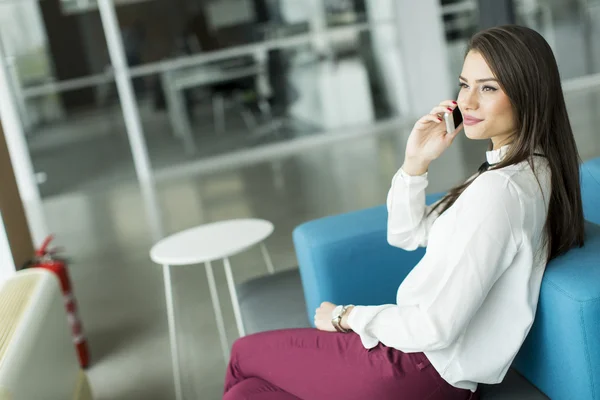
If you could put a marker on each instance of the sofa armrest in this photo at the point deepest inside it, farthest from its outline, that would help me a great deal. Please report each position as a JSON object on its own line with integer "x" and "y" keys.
{"x": 346, "y": 259}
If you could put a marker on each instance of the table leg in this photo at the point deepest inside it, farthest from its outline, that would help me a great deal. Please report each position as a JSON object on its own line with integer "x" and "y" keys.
{"x": 234, "y": 298}
{"x": 178, "y": 114}
{"x": 172, "y": 332}
{"x": 217, "y": 308}
{"x": 267, "y": 257}
{"x": 219, "y": 113}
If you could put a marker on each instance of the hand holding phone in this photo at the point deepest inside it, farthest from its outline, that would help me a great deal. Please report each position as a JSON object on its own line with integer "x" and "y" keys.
{"x": 429, "y": 137}
{"x": 453, "y": 120}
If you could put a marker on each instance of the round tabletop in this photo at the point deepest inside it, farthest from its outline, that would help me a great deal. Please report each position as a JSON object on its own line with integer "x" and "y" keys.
{"x": 210, "y": 242}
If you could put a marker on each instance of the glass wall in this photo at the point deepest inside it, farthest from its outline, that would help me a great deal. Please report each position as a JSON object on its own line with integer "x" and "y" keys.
{"x": 226, "y": 77}
{"x": 571, "y": 28}
{"x": 210, "y": 77}
{"x": 214, "y": 77}
{"x": 72, "y": 119}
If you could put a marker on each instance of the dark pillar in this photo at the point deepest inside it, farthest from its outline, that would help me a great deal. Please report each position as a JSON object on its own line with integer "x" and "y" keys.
{"x": 68, "y": 52}
{"x": 496, "y": 12}
{"x": 13, "y": 213}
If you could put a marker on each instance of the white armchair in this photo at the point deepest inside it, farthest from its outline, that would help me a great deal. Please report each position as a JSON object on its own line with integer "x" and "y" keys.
{"x": 37, "y": 356}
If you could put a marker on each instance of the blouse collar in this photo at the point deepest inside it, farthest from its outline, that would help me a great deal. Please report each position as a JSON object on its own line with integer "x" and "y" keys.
{"x": 496, "y": 156}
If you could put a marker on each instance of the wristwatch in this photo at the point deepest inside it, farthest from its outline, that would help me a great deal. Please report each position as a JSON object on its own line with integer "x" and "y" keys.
{"x": 336, "y": 317}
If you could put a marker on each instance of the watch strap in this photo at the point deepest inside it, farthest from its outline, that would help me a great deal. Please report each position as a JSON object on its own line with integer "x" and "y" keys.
{"x": 337, "y": 321}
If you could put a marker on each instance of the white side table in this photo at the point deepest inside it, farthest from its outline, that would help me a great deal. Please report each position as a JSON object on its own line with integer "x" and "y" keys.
{"x": 204, "y": 244}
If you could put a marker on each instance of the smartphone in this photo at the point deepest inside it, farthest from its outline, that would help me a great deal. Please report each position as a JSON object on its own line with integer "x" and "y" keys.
{"x": 453, "y": 120}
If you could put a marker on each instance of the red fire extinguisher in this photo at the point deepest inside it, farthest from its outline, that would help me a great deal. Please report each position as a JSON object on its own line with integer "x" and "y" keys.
{"x": 45, "y": 258}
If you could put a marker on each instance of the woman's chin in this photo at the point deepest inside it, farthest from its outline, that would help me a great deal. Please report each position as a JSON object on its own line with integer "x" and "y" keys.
{"x": 473, "y": 133}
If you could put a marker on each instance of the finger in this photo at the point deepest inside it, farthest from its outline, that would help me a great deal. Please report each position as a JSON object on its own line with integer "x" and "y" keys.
{"x": 452, "y": 135}
{"x": 428, "y": 119}
{"x": 448, "y": 103}
{"x": 441, "y": 110}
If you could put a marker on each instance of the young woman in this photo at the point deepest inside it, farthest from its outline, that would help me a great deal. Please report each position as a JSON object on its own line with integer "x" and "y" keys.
{"x": 464, "y": 311}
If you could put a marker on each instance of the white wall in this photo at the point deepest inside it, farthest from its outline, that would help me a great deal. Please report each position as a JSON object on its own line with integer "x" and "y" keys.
{"x": 19, "y": 153}
{"x": 7, "y": 264}
{"x": 412, "y": 54}
{"x": 294, "y": 11}
{"x": 223, "y": 13}
{"x": 387, "y": 53}
{"x": 22, "y": 27}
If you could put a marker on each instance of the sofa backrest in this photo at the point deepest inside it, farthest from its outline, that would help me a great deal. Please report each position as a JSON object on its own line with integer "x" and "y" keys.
{"x": 590, "y": 190}
{"x": 561, "y": 354}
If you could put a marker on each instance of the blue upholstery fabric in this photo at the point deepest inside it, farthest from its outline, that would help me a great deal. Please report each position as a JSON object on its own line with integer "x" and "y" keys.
{"x": 561, "y": 355}
{"x": 590, "y": 190}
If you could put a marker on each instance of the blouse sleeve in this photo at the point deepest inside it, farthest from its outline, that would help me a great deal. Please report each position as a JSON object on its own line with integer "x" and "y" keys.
{"x": 409, "y": 220}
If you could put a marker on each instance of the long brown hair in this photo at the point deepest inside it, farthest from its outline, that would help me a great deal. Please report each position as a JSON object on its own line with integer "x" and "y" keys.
{"x": 525, "y": 67}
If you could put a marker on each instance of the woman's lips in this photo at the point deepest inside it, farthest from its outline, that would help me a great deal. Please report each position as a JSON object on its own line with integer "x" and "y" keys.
{"x": 471, "y": 120}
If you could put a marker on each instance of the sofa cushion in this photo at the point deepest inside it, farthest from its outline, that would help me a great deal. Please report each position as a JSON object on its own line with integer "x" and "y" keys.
{"x": 273, "y": 302}
{"x": 513, "y": 387}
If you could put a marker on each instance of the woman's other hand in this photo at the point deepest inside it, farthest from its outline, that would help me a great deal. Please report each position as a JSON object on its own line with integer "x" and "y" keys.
{"x": 323, "y": 317}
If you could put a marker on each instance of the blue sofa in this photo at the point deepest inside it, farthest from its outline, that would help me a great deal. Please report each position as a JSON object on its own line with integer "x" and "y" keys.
{"x": 346, "y": 259}
{"x": 590, "y": 190}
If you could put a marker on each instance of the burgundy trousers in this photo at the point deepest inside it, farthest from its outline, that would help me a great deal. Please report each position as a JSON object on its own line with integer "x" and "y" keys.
{"x": 308, "y": 364}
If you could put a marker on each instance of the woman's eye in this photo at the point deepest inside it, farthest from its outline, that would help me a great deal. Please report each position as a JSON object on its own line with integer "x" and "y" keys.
{"x": 489, "y": 89}
{"x": 462, "y": 85}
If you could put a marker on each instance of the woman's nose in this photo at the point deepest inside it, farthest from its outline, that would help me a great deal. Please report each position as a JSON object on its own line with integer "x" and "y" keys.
{"x": 467, "y": 100}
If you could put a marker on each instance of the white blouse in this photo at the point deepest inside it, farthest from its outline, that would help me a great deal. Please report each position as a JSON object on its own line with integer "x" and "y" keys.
{"x": 471, "y": 300}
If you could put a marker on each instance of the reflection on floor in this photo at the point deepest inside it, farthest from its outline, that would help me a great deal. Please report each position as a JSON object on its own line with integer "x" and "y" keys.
{"x": 120, "y": 291}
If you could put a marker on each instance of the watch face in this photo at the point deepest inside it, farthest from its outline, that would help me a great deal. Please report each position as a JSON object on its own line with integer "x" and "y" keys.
{"x": 336, "y": 312}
